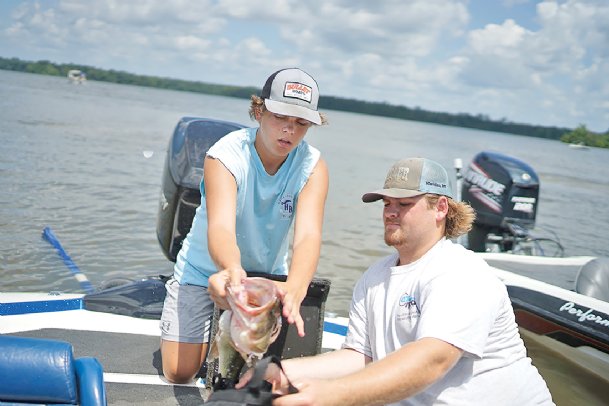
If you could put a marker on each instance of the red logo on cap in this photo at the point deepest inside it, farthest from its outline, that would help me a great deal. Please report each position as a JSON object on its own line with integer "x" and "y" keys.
{"x": 297, "y": 91}
{"x": 297, "y": 87}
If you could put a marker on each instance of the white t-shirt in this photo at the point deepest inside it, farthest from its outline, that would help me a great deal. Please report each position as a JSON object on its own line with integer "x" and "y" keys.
{"x": 452, "y": 295}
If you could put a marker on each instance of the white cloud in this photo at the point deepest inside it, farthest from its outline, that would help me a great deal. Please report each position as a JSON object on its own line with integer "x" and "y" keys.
{"x": 253, "y": 48}
{"x": 190, "y": 43}
{"x": 138, "y": 12}
{"x": 500, "y": 40}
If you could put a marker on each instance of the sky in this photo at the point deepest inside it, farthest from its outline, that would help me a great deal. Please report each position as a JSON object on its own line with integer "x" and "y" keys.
{"x": 534, "y": 62}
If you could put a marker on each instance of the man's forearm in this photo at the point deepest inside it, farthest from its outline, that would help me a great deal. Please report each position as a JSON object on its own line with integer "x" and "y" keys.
{"x": 400, "y": 375}
{"x": 329, "y": 365}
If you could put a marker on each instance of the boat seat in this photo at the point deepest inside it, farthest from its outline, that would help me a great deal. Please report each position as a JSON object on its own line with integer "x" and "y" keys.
{"x": 593, "y": 279}
{"x": 38, "y": 371}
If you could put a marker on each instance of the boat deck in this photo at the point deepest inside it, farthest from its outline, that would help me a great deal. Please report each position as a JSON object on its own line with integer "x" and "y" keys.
{"x": 126, "y": 346}
{"x": 558, "y": 271}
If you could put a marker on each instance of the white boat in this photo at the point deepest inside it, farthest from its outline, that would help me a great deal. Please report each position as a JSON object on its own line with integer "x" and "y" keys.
{"x": 579, "y": 145}
{"x": 76, "y": 76}
{"x": 561, "y": 301}
{"x": 572, "y": 315}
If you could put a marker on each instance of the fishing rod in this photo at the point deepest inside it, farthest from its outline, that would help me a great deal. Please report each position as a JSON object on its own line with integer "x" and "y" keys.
{"x": 48, "y": 235}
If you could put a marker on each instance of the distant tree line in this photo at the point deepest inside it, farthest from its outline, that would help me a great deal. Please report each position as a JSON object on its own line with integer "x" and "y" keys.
{"x": 480, "y": 122}
{"x": 114, "y": 76}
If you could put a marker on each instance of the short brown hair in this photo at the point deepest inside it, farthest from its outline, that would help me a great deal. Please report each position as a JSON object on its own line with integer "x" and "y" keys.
{"x": 459, "y": 219}
{"x": 257, "y": 105}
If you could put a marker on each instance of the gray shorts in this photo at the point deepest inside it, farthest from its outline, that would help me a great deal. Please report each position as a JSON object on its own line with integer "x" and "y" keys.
{"x": 187, "y": 313}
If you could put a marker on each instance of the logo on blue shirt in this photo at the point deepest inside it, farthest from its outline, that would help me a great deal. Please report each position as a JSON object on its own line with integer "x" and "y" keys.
{"x": 286, "y": 205}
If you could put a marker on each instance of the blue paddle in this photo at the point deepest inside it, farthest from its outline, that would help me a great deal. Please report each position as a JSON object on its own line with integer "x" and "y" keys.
{"x": 48, "y": 235}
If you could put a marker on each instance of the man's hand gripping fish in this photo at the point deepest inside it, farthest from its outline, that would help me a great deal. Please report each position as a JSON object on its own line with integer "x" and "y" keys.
{"x": 246, "y": 331}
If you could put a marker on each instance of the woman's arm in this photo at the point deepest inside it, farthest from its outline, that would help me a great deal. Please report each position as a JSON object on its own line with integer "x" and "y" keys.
{"x": 307, "y": 243}
{"x": 221, "y": 199}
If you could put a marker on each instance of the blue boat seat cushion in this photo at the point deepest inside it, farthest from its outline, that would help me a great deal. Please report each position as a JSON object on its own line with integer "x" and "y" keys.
{"x": 40, "y": 371}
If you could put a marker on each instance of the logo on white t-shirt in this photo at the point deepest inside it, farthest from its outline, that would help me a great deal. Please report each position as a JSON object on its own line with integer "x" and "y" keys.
{"x": 286, "y": 205}
{"x": 407, "y": 307}
{"x": 407, "y": 300}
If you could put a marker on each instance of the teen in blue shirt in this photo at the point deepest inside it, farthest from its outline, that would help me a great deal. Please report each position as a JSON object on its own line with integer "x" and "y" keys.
{"x": 257, "y": 184}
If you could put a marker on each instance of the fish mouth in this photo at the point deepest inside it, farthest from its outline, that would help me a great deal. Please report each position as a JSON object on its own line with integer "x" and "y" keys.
{"x": 257, "y": 296}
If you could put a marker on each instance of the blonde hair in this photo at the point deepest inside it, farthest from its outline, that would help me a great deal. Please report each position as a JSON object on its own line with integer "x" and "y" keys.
{"x": 459, "y": 219}
{"x": 257, "y": 106}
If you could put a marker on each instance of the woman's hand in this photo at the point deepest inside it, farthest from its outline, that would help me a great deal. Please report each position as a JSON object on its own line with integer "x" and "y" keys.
{"x": 291, "y": 309}
{"x": 291, "y": 300}
{"x": 220, "y": 280}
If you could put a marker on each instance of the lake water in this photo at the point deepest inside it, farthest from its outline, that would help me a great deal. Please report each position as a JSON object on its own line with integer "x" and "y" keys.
{"x": 86, "y": 160}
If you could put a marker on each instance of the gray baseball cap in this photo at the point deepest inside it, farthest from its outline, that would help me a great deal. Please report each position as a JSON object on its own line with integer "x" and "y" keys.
{"x": 292, "y": 92}
{"x": 412, "y": 177}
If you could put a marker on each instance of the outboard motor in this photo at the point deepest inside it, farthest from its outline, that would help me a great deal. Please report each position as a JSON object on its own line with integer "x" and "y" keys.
{"x": 504, "y": 192}
{"x": 180, "y": 193}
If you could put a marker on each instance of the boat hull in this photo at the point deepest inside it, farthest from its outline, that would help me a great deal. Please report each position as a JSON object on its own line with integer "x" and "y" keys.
{"x": 563, "y": 320}
{"x": 546, "y": 303}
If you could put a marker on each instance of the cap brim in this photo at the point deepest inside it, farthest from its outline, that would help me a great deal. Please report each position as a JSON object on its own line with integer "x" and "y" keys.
{"x": 292, "y": 110}
{"x": 394, "y": 193}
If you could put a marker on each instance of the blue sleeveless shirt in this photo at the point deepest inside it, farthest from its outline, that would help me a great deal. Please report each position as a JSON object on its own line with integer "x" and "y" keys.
{"x": 265, "y": 209}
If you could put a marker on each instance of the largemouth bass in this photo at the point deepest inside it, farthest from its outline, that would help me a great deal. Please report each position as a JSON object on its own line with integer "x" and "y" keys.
{"x": 246, "y": 331}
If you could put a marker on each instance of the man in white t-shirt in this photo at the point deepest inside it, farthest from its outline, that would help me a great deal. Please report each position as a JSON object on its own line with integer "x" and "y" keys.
{"x": 429, "y": 324}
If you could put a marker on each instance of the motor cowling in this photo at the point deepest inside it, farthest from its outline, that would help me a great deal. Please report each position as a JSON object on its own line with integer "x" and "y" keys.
{"x": 504, "y": 192}
{"x": 182, "y": 173}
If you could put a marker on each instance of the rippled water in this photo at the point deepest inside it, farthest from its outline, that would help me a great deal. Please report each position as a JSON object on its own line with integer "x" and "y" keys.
{"x": 86, "y": 160}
